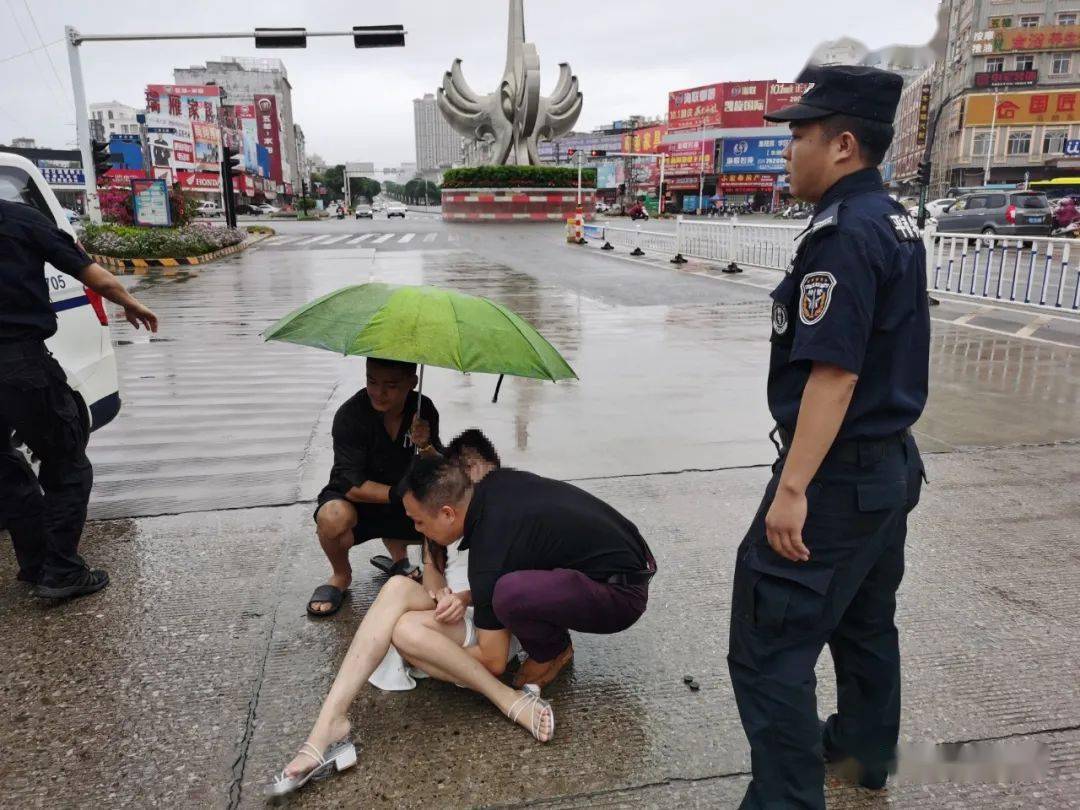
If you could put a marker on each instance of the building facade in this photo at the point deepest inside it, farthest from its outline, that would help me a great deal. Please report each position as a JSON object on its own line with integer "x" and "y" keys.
{"x": 114, "y": 118}
{"x": 243, "y": 80}
{"x": 911, "y": 128}
{"x": 1010, "y": 88}
{"x": 438, "y": 146}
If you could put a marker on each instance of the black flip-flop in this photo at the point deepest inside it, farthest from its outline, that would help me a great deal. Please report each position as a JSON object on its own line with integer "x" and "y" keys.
{"x": 391, "y": 568}
{"x": 327, "y": 593}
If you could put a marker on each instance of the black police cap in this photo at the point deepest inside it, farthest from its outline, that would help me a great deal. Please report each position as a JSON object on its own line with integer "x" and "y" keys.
{"x": 856, "y": 90}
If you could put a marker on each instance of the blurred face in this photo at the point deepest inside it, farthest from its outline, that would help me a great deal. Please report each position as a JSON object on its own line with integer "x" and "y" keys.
{"x": 814, "y": 161}
{"x": 443, "y": 525}
{"x": 388, "y": 387}
{"x": 476, "y": 466}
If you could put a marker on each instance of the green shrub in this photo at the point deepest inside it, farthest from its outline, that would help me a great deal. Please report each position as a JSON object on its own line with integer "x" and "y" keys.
{"x": 518, "y": 177}
{"x": 133, "y": 242}
{"x": 260, "y": 229}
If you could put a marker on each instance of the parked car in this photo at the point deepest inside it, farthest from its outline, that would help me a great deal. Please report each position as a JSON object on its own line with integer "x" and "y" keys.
{"x": 267, "y": 209}
{"x": 934, "y": 208}
{"x": 395, "y": 210}
{"x": 246, "y": 208}
{"x": 1015, "y": 213}
{"x": 365, "y": 212}
{"x": 602, "y": 207}
{"x": 209, "y": 209}
{"x": 82, "y": 344}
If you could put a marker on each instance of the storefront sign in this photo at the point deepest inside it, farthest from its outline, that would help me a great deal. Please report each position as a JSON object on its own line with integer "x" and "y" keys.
{"x": 122, "y": 177}
{"x": 207, "y": 146}
{"x": 1060, "y": 106}
{"x": 696, "y": 107}
{"x": 1007, "y": 78}
{"x": 64, "y": 178}
{"x": 744, "y": 183}
{"x": 742, "y": 155}
{"x": 200, "y": 102}
{"x": 645, "y": 140}
{"x": 269, "y": 129}
{"x": 1014, "y": 40}
{"x": 151, "y": 202}
{"x": 199, "y": 181}
{"x": 784, "y": 95}
{"x": 686, "y": 158}
{"x": 744, "y": 104}
{"x": 924, "y": 115}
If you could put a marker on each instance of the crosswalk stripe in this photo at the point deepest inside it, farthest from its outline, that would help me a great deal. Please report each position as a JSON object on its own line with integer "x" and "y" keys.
{"x": 385, "y": 237}
{"x": 431, "y": 237}
{"x": 336, "y": 239}
{"x": 451, "y": 238}
{"x": 359, "y": 239}
{"x": 406, "y": 238}
{"x": 282, "y": 240}
{"x": 314, "y": 239}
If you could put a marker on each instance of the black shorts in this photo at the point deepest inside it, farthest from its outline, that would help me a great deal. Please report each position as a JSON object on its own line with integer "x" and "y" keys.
{"x": 382, "y": 520}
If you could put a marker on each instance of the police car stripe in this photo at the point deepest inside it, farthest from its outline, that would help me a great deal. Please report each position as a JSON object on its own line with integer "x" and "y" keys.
{"x": 70, "y": 303}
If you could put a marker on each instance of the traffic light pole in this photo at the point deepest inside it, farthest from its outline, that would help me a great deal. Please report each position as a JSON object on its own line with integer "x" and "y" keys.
{"x": 82, "y": 125}
{"x": 363, "y": 37}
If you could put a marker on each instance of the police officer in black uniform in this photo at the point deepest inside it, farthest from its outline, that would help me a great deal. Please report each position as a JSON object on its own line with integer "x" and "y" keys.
{"x": 824, "y": 555}
{"x": 37, "y": 403}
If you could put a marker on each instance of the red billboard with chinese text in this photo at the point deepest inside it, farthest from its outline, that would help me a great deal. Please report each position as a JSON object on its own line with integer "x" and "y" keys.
{"x": 269, "y": 129}
{"x": 782, "y": 95}
{"x": 695, "y": 107}
{"x": 689, "y": 158}
{"x": 743, "y": 104}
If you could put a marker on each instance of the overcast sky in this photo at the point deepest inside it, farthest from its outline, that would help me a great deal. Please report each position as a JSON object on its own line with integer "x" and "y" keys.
{"x": 357, "y": 105}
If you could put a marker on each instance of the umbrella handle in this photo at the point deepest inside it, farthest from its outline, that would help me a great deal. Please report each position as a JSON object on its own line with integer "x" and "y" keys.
{"x": 419, "y": 401}
{"x": 498, "y": 385}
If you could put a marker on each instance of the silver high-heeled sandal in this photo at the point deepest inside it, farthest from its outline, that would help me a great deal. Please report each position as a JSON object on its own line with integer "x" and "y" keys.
{"x": 532, "y": 700}
{"x": 338, "y": 757}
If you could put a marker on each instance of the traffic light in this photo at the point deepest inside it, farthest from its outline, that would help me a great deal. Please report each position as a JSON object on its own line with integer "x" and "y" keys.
{"x": 230, "y": 167}
{"x": 923, "y": 174}
{"x": 100, "y": 155}
{"x": 571, "y": 152}
{"x": 378, "y": 36}
{"x": 598, "y": 153}
{"x": 231, "y": 161}
{"x": 280, "y": 38}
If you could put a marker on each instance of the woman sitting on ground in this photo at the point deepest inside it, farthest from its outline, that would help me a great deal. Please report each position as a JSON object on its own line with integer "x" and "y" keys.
{"x": 432, "y": 605}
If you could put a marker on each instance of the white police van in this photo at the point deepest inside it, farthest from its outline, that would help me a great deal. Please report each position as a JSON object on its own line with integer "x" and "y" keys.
{"x": 82, "y": 344}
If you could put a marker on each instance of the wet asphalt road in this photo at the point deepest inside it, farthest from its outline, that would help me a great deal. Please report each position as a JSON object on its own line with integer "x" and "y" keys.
{"x": 190, "y": 679}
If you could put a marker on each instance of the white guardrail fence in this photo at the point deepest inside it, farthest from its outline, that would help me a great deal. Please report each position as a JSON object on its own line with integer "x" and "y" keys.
{"x": 1029, "y": 271}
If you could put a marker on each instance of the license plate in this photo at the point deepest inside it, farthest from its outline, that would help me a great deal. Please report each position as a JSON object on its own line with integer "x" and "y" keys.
{"x": 1035, "y": 220}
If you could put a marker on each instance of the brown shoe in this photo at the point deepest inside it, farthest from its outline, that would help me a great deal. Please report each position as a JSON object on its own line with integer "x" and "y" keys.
{"x": 542, "y": 673}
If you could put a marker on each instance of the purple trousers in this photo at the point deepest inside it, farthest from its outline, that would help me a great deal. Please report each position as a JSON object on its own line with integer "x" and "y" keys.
{"x": 539, "y": 607}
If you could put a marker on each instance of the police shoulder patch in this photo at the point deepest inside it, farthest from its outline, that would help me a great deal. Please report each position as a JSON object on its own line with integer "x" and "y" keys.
{"x": 779, "y": 318}
{"x": 905, "y": 227}
{"x": 816, "y": 295}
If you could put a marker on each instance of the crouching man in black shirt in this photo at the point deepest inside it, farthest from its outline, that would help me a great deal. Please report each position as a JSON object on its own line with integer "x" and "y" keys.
{"x": 377, "y": 433}
{"x": 544, "y": 558}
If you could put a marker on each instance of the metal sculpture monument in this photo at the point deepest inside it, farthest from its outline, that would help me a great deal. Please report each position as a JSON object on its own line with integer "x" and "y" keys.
{"x": 515, "y": 116}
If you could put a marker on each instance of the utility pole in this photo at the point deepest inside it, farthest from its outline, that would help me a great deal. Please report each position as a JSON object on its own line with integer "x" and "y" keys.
{"x": 701, "y": 170}
{"x": 990, "y": 147}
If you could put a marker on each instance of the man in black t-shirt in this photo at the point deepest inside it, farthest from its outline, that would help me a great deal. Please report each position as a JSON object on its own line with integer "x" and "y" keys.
{"x": 37, "y": 403}
{"x": 377, "y": 433}
{"x": 544, "y": 558}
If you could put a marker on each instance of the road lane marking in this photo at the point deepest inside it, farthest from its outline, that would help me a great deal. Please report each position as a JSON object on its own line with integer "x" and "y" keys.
{"x": 283, "y": 240}
{"x": 1034, "y": 326}
{"x": 385, "y": 237}
{"x": 359, "y": 239}
{"x": 313, "y": 239}
{"x": 964, "y": 320}
{"x": 336, "y": 239}
{"x": 406, "y": 238}
{"x": 431, "y": 237}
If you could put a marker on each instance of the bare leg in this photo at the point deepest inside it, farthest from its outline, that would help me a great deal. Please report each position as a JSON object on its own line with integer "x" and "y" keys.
{"x": 440, "y": 656}
{"x": 335, "y": 522}
{"x": 397, "y": 549}
{"x": 368, "y": 648}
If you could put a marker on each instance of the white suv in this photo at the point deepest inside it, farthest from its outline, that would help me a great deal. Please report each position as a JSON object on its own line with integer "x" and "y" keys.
{"x": 82, "y": 344}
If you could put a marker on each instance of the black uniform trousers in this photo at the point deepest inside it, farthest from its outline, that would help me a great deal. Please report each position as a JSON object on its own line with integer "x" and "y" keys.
{"x": 38, "y": 404}
{"x": 784, "y": 613}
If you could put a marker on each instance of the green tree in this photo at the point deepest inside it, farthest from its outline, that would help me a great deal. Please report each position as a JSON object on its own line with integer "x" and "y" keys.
{"x": 364, "y": 188}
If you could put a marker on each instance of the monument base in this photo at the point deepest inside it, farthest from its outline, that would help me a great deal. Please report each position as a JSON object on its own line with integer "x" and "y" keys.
{"x": 515, "y": 204}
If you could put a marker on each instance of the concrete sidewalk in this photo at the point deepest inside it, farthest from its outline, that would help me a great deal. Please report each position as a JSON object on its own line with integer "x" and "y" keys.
{"x": 188, "y": 682}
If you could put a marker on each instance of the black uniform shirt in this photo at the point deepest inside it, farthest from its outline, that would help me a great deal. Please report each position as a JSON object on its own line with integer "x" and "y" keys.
{"x": 855, "y": 297}
{"x": 28, "y": 239}
{"x": 518, "y": 521}
{"x": 364, "y": 451}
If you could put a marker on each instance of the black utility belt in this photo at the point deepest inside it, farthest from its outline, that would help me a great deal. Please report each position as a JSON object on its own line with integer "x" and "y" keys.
{"x": 633, "y": 578}
{"x": 23, "y": 349}
{"x": 852, "y": 451}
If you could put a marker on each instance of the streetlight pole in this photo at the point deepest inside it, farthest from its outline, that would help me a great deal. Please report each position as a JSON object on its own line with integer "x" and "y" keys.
{"x": 701, "y": 170}
{"x": 660, "y": 191}
{"x": 990, "y": 147}
{"x": 82, "y": 124}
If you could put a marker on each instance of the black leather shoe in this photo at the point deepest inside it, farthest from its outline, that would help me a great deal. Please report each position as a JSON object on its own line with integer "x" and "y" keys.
{"x": 83, "y": 584}
{"x": 871, "y": 777}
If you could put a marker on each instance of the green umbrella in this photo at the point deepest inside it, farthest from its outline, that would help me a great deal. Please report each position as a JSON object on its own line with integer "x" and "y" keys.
{"x": 424, "y": 325}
